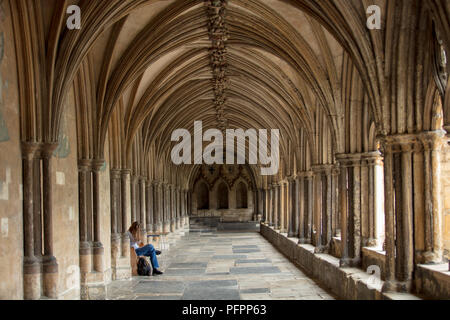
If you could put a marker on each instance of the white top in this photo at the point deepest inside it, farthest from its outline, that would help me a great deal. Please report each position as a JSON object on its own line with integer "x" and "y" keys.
{"x": 133, "y": 242}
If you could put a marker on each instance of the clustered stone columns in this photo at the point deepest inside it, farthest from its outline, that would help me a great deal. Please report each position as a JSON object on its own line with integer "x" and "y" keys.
{"x": 270, "y": 206}
{"x": 276, "y": 206}
{"x": 306, "y": 208}
{"x": 38, "y": 216}
{"x": 172, "y": 208}
{"x": 91, "y": 247}
{"x": 293, "y": 198}
{"x": 115, "y": 220}
{"x": 412, "y": 189}
{"x": 40, "y": 265}
{"x": 125, "y": 211}
{"x": 323, "y": 202}
{"x": 157, "y": 207}
{"x": 149, "y": 200}
{"x": 350, "y": 208}
{"x": 142, "y": 207}
{"x": 166, "y": 208}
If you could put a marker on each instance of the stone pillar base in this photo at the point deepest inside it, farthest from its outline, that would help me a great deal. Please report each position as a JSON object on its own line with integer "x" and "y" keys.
{"x": 120, "y": 266}
{"x": 157, "y": 228}
{"x": 429, "y": 257}
{"x": 50, "y": 269}
{"x": 32, "y": 280}
{"x": 166, "y": 227}
{"x": 125, "y": 251}
{"x": 173, "y": 225}
{"x": 321, "y": 249}
{"x": 93, "y": 286}
{"x": 397, "y": 286}
{"x": 99, "y": 253}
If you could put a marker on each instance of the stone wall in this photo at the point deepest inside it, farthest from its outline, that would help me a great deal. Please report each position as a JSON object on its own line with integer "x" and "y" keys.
{"x": 11, "y": 223}
{"x": 446, "y": 198}
{"x": 345, "y": 283}
{"x": 65, "y": 205}
{"x": 231, "y": 176}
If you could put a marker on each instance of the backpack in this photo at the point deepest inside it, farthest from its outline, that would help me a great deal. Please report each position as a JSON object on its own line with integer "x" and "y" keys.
{"x": 143, "y": 267}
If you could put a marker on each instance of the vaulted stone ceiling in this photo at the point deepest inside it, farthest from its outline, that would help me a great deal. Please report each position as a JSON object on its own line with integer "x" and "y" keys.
{"x": 161, "y": 61}
{"x": 311, "y": 69}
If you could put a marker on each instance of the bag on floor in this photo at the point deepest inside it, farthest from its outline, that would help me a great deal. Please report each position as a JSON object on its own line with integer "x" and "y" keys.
{"x": 143, "y": 267}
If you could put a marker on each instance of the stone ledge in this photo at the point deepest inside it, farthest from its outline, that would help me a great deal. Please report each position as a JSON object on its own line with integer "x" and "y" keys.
{"x": 433, "y": 281}
{"x": 345, "y": 283}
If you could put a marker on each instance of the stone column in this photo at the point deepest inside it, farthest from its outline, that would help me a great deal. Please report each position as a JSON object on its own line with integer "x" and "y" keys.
{"x": 142, "y": 213}
{"x": 300, "y": 193}
{"x": 85, "y": 245}
{"x": 434, "y": 246}
{"x": 157, "y": 225}
{"x": 400, "y": 210}
{"x": 115, "y": 217}
{"x": 309, "y": 207}
{"x": 98, "y": 248}
{"x": 166, "y": 208}
{"x": 49, "y": 261}
{"x": 37, "y": 206}
{"x": 172, "y": 208}
{"x": 292, "y": 208}
{"x": 318, "y": 202}
{"x": 149, "y": 206}
{"x": 31, "y": 265}
{"x": 271, "y": 206}
{"x": 336, "y": 220}
{"x": 125, "y": 206}
{"x": 133, "y": 196}
{"x": 369, "y": 163}
{"x": 276, "y": 206}
{"x": 283, "y": 207}
{"x": 350, "y": 209}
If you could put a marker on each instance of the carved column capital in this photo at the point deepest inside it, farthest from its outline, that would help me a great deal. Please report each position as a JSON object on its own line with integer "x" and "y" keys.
{"x": 433, "y": 140}
{"x": 47, "y": 150}
{"x": 29, "y": 150}
{"x": 115, "y": 174}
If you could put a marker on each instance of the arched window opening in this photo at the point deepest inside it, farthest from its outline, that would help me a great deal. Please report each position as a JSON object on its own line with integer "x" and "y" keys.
{"x": 222, "y": 196}
{"x": 202, "y": 197}
{"x": 241, "y": 196}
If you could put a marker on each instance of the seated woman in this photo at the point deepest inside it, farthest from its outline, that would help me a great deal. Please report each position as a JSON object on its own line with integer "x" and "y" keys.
{"x": 141, "y": 250}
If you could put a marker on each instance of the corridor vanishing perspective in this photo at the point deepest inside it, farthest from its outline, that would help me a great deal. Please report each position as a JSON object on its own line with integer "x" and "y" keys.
{"x": 222, "y": 266}
{"x": 320, "y": 126}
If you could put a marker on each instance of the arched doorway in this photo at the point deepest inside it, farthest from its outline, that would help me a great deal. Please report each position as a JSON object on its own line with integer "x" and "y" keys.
{"x": 241, "y": 196}
{"x": 222, "y": 196}
{"x": 202, "y": 196}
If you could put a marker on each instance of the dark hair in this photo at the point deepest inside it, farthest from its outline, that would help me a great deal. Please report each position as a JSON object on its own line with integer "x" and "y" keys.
{"x": 134, "y": 229}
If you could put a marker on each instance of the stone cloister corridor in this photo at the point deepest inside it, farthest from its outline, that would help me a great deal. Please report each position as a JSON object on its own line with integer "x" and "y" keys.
{"x": 222, "y": 266}
{"x": 309, "y": 140}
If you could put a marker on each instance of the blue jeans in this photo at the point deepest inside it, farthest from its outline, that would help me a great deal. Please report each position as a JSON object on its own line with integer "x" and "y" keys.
{"x": 148, "y": 251}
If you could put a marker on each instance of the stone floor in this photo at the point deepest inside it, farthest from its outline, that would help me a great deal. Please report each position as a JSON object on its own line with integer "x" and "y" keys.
{"x": 221, "y": 266}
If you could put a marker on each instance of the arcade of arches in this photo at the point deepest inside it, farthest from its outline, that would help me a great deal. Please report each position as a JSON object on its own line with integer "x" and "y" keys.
{"x": 86, "y": 118}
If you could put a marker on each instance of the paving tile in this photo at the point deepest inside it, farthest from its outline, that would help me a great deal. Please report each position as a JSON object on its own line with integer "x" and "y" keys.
{"x": 160, "y": 287}
{"x": 229, "y": 257}
{"x": 221, "y": 266}
{"x": 211, "y": 294}
{"x": 253, "y": 261}
{"x": 255, "y": 291}
{"x": 184, "y": 272}
{"x": 255, "y": 270}
{"x": 188, "y": 265}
